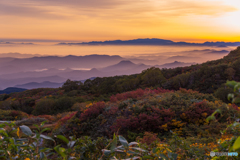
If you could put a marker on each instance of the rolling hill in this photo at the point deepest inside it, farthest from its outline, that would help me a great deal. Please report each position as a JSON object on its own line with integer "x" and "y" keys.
{"x": 12, "y": 90}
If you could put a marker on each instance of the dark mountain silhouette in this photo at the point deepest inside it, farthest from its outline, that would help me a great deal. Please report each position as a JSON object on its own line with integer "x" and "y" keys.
{"x": 218, "y": 52}
{"x": 39, "y": 63}
{"x": 181, "y": 58}
{"x": 53, "y": 63}
{"x": 144, "y": 61}
{"x": 153, "y": 41}
{"x": 45, "y": 84}
{"x": 35, "y": 74}
{"x": 54, "y": 78}
{"x": 174, "y": 65}
{"x": 222, "y": 46}
{"x": 12, "y": 90}
{"x": 82, "y": 74}
{"x": 124, "y": 65}
{"x": 4, "y": 82}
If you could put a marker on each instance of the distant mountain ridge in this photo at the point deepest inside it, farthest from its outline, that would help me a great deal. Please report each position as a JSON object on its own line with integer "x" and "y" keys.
{"x": 152, "y": 41}
{"x": 12, "y": 90}
{"x": 45, "y": 84}
{"x": 54, "y": 78}
{"x": 125, "y": 65}
{"x": 16, "y": 65}
{"x": 174, "y": 65}
{"x": 53, "y": 71}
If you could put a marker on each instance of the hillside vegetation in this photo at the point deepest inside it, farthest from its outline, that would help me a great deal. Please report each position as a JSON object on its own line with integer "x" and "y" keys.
{"x": 208, "y": 77}
{"x": 165, "y": 109}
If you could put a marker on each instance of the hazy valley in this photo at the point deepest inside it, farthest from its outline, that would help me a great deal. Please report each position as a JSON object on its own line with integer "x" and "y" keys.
{"x": 37, "y": 71}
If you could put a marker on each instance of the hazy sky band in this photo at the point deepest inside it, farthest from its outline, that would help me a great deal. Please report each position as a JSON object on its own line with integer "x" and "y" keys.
{"x": 81, "y": 20}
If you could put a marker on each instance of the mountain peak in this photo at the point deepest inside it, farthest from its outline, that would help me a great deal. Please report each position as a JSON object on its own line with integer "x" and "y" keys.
{"x": 67, "y": 69}
{"x": 94, "y": 70}
{"x": 125, "y": 62}
{"x": 177, "y": 62}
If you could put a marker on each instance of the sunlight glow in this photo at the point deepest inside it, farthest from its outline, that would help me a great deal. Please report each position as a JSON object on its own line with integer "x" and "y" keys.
{"x": 191, "y": 20}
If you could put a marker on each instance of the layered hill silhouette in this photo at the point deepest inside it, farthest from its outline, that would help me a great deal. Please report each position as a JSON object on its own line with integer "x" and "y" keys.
{"x": 153, "y": 41}
{"x": 127, "y": 66}
{"x": 39, "y": 63}
{"x": 52, "y": 71}
{"x": 174, "y": 65}
{"x": 5, "y": 82}
{"x": 46, "y": 84}
{"x": 206, "y": 78}
{"x": 12, "y": 90}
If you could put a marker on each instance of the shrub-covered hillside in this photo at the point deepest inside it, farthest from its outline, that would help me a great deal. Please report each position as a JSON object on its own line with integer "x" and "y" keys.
{"x": 208, "y": 77}
{"x": 166, "y": 110}
{"x": 131, "y": 114}
{"x": 168, "y": 123}
{"x": 157, "y": 111}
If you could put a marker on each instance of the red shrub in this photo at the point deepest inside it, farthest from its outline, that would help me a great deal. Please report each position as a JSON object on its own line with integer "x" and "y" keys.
{"x": 160, "y": 90}
{"x": 149, "y": 138}
{"x": 120, "y": 96}
{"x": 112, "y": 111}
{"x": 67, "y": 117}
{"x": 135, "y": 94}
{"x": 48, "y": 117}
{"x": 197, "y": 111}
{"x": 14, "y": 113}
{"x": 113, "y": 99}
{"x": 235, "y": 107}
{"x": 144, "y": 122}
{"x": 183, "y": 90}
{"x": 139, "y": 92}
{"x": 93, "y": 111}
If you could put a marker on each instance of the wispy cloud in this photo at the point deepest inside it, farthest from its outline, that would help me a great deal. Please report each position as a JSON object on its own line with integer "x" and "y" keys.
{"x": 194, "y": 7}
{"x": 110, "y": 8}
{"x": 109, "y": 19}
{"x": 23, "y": 9}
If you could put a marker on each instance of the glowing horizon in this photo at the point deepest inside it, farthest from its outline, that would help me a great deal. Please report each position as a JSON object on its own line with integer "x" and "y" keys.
{"x": 94, "y": 20}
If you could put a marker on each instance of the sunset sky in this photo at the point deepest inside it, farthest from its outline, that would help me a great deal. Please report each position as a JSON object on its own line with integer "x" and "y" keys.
{"x": 99, "y": 20}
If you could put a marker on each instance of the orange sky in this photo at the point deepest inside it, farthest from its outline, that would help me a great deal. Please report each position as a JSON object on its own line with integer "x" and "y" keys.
{"x": 88, "y": 20}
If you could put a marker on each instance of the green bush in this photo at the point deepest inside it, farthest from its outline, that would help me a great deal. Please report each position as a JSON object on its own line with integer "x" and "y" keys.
{"x": 122, "y": 106}
{"x": 222, "y": 93}
{"x": 44, "y": 106}
{"x": 79, "y": 107}
{"x": 5, "y": 105}
{"x": 72, "y": 93}
{"x": 11, "y": 115}
{"x": 3, "y": 97}
{"x": 63, "y": 104}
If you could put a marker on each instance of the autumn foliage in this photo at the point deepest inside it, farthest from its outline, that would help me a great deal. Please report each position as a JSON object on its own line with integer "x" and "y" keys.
{"x": 137, "y": 93}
